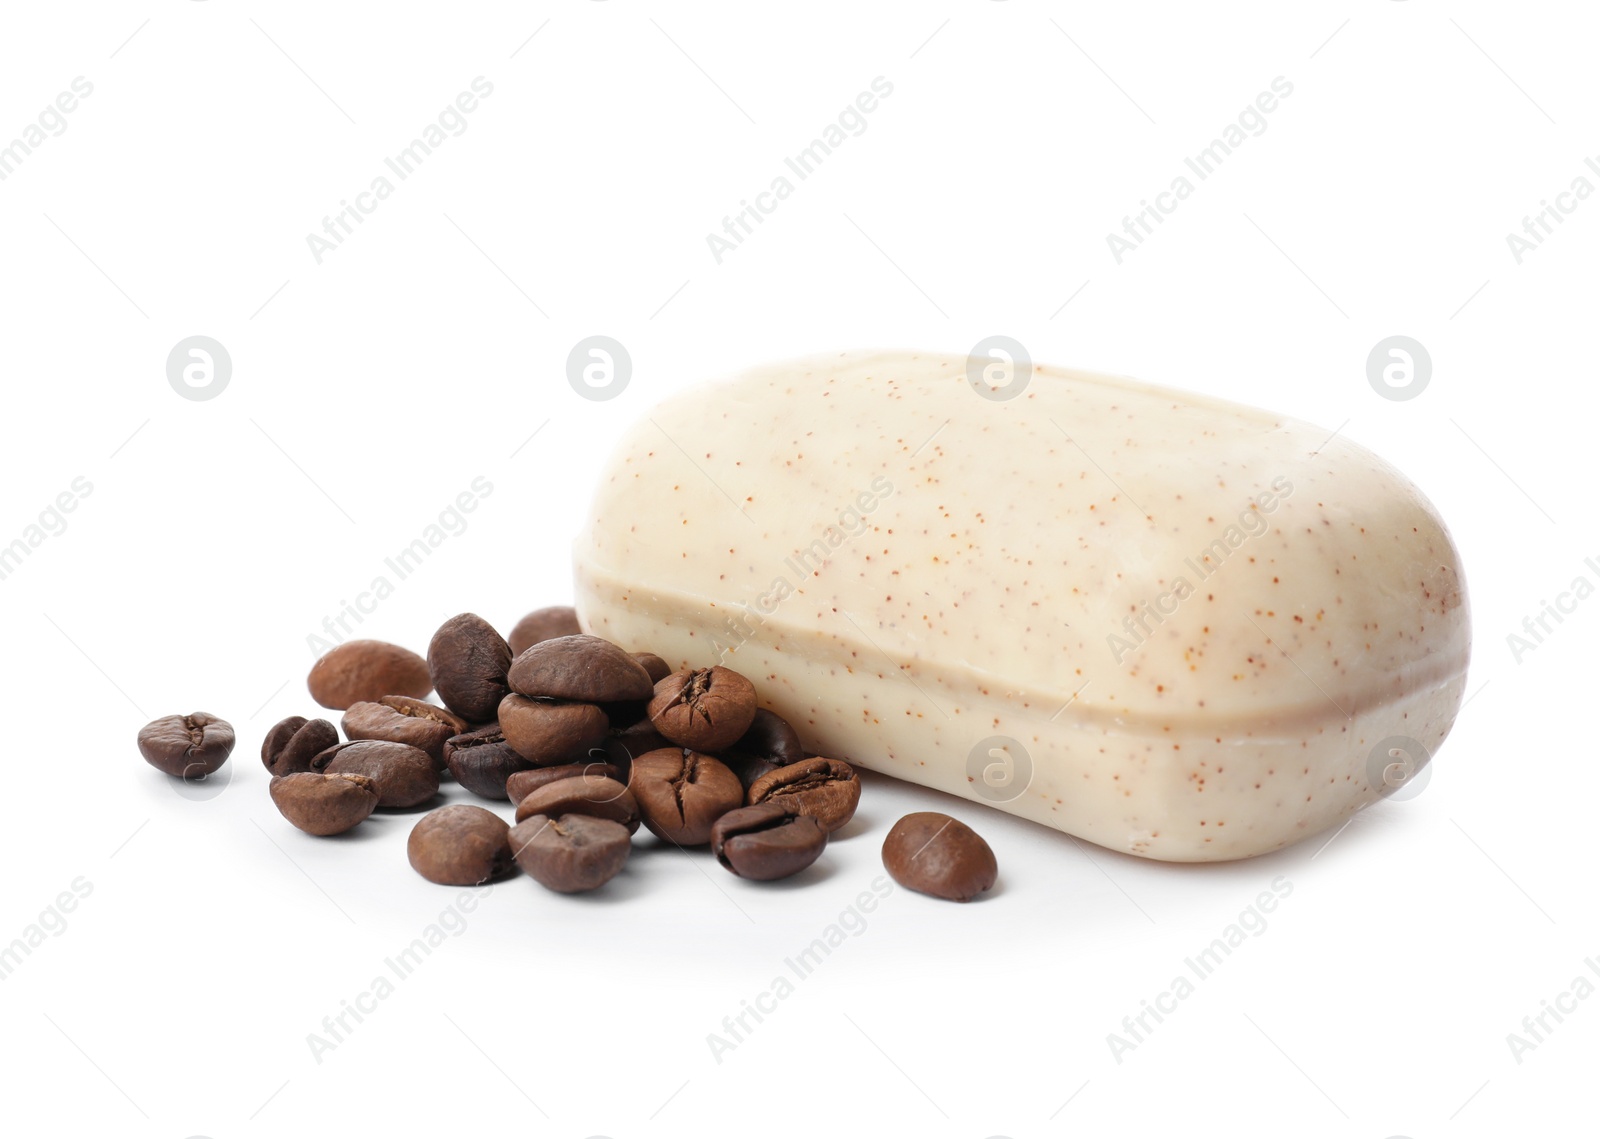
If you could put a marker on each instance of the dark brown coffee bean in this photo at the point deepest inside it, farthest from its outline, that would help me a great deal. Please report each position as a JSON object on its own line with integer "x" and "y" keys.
{"x": 367, "y": 670}
{"x": 622, "y": 748}
{"x": 826, "y": 789}
{"x": 468, "y": 660}
{"x": 324, "y": 804}
{"x": 768, "y": 744}
{"x": 460, "y": 845}
{"x": 525, "y": 783}
{"x": 767, "y": 842}
{"x": 582, "y": 795}
{"x": 546, "y": 733}
{"x": 658, "y": 669}
{"x": 293, "y": 743}
{"x": 543, "y": 625}
{"x": 707, "y": 709}
{"x": 935, "y": 854}
{"x": 681, "y": 793}
{"x": 403, "y": 775}
{"x": 570, "y": 854}
{"x": 402, "y": 720}
{"x": 190, "y": 747}
{"x": 482, "y": 761}
{"x": 584, "y": 669}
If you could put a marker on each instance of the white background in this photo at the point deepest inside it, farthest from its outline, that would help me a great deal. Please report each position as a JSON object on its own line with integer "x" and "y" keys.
{"x": 369, "y": 390}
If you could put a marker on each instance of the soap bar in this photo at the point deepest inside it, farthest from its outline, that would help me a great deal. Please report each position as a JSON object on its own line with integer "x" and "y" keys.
{"x": 1173, "y": 626}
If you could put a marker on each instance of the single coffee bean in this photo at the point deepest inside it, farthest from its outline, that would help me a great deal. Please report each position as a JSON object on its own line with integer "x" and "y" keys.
{"x": 545, "y": 732}
{"x": 826, "y": 789}
{"x": 767, "y": 842}
{"x": 543, "y": 625}
{"x": 294, "y": 742}
{"x": 658, "y": 669}
{"x": 367, "y": 670}
{"x": 190, "y": 747}
{"x": 681, "y": 793}
{"x": 707, "y": 709}
{"x": 768, "y": 744}
{"x": 468, "y": 660}
{"x": 324, "y": 804}
{"x": 403, "y": 775}
{"x": 579, "y": 668}
{"x": 525, "y": 783}
{"x": 403, "y": 720}
{"x": 935, "y": 854}
{"x": 582, "y": 795}
{"x": 570, "y": 854}
{"x": 460, "y": 845}
{"x": 482, "y": 761}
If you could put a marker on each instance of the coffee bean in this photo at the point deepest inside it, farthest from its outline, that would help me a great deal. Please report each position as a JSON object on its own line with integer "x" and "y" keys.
{"x": 460, "y": 845}
{"x": 586, "y": 794}
{"x": 579, "y": 668}
{"x": 768, "y": 744}
{"x": 403, "y": 775}
{"x": 294, "y": 742}
{"x": 826, "y": 789}
{"x": 767, "y": 842}
{"x": 935, "y": 854}
{"x": 324, "y": 804}
{"x": 707, "y": 709}
{"x": 482, "y": 761}
{"x": 367, "y": 670}
{"x": 570, "y": 854}
{"x": 545, "y": 732}
{"x": 622, "y": 748}
{"x": 657, "y": 668}
{"x": 190, "y": 747}
{"x": 468, "y": 661}
{"x": 543, "y": 625}
{"x": 525, "y": 783}
{"x": 681, "y": 793}
{"x": 402, "y": 720}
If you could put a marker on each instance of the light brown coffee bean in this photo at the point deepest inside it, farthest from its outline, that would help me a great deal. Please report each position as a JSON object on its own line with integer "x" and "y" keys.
{"x": 525, "y": 783}
{"x": 403, "y": 775}
{"x": 403, "y": 720}
{"x": 682, "y": 793}
{"x": 826, "y": 789}
{"x": 940, "y": 856}
{"x": 546, "y": 733}
{"x": 324, "y": 804}
{"x": 570, "y": 854}
{"x": 367, "y": 670}
{"x": 707, "y": 709}
{"x": 582, "y": 669}
{"x": 582, "y": 795}
{"x": 460, "y": 845}
{"x": 543, "y": 625}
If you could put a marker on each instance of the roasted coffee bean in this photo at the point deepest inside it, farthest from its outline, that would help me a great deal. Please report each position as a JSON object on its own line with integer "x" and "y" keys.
{"x": 767, "y": 841}
{"x": 460, "y": 845}
{"x": 402, "y": 720}
{"x": 826, "y": 789}
{"x": 525, "y": 783}
{"x": 622, "y": 748}
{"x": 367, "y": 670}
{"x": 545, "y": 732}
{"x": 579, "y": 668}
{"x": 468, "y": 660}
{"x": 190, "y": 747}
{"x": 293, "y": 743}
{"x": 570, "y": 854}
{"x": 324, "y": 804}
{"x": 681, "y": 793}
{"x": 768, "y": 744}
{"x": 658, "y": 669}
{"x": 582, "y": 795}
{"x": 707, "y": 709}
{"x": 935, "y": 854}
{"x": 482, "y": 761}
{"x": 403, "y": 775}
{"x": 543, "y": 625}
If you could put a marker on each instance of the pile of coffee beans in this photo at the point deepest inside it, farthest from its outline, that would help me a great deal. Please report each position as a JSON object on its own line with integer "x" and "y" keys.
{"x": 588, "y": 741}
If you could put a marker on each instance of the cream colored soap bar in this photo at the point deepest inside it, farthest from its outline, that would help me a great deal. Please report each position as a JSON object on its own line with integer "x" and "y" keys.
{"x": 1173, "y": 626}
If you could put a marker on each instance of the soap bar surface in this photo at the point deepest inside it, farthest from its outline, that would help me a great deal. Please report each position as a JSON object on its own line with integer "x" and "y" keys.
{"x": 1170, "y": 625}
